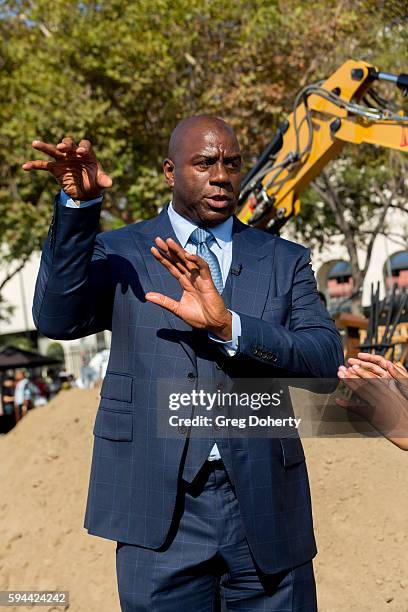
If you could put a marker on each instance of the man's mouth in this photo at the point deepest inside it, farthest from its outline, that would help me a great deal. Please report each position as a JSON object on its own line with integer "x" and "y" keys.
{"x": 218, "y": 201}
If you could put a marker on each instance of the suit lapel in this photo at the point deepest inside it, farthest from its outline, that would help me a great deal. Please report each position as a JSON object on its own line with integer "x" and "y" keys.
{"x": 162, "y": 281}
{"x": 251, "y": 270}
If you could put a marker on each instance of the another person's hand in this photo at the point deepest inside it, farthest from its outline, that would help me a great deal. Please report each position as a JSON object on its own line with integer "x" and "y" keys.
{"x": 201, "y": 305}
{"x": 379, "y": 383}
{"x": 75, "y": 167}
{"x": 383, "y": 368}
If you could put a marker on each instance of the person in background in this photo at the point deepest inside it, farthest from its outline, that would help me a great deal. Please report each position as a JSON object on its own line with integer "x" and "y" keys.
{"x": 23, "y": 395}
{"x": 53, "y": 383}
{"x": 383, "y": 387}
{"x": 41, "y": 389}
{"x": 87, "y": 374}
{"x": 7, "y": 402}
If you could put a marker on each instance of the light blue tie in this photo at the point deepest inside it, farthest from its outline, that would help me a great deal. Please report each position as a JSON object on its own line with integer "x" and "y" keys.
{"x": 204, "y": 239}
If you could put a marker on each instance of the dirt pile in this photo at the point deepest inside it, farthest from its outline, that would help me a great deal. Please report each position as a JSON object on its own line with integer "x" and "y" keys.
{"x": 360, "y": 500}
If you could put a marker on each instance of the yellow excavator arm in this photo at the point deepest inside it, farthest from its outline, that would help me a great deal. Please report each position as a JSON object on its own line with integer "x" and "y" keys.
{"x": 325, "y": 116}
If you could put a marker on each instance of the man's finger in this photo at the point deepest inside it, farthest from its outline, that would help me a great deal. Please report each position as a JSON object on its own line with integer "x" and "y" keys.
{"x": 377, "y": 359}
{"x": 162, "y": 300}
{"x": 103, "y": 179}
{"x": 84, "y": 147}
{"x": 48, "y": 148}
{"x": 171, "y": 267}
{"x": 350, "y": 378}
{"x": 369, "y": 367}
{"x": 352, "y": 374}
{"x": 172, "y": 255}
{"x": 400, "y": 376}
{"x": 164, "y": 249}
{"x": 363, "y": 372}
{"x": 162, "y": 244}
{"x": 38, "y": 164}
{"x": 397, "y": 370}
{"x": 371, "y": 388}
{"x": 193, "y": 263}
{"x": 67, "y": 145}
{"x": 176, "y": 250}
{"x": 344, "y": 372}
{"x": 202, "y": 265}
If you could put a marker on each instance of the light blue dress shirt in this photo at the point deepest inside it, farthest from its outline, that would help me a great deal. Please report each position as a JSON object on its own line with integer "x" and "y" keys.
{"x": 221, "y": 247}
{"x": 65, "y": 200}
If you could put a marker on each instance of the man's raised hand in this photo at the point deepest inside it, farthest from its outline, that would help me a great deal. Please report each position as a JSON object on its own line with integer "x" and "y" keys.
{"x": 201, "y": 305}
{"x": 75, "y": 168}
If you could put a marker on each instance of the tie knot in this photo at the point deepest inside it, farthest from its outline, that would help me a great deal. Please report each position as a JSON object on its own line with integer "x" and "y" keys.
{"x": 201, "y": 236}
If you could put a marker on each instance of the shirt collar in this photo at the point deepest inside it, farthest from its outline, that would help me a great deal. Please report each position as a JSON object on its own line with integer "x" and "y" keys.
{"x": 184, "y": 227}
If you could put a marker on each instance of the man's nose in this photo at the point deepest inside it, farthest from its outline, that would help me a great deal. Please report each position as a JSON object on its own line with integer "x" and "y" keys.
{"x": 220, "y": 173}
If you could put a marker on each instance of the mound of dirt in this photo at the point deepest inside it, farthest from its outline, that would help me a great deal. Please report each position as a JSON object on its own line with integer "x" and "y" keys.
{"x": 359, "y": 490}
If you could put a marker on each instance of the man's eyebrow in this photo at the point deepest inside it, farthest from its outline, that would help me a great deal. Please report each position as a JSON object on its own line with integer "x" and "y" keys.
{"x": 213, "y": 156}
{"x": 205, "y": 156}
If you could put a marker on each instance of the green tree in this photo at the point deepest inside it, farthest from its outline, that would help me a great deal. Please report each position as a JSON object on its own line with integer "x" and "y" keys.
{"x": 55, "y": 350}
{"x": 123, "y": 74}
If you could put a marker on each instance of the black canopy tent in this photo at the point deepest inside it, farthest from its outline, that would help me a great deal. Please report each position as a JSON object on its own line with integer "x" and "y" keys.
{"x": 12, "y": 357}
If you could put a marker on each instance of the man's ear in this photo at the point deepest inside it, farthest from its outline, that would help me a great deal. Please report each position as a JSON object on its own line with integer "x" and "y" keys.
{"x": 168, "y": 169}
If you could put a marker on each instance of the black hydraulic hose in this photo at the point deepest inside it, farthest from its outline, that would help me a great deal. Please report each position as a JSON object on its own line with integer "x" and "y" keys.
{"x": 272, "y": 149}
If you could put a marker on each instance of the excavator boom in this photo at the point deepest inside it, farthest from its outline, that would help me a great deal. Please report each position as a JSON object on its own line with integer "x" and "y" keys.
{"x": 325, "y": 117}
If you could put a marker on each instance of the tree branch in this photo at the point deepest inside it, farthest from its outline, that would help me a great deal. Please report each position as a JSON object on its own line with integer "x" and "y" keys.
{"x": 14, "y": 272}
{"x": 336, "y": 206}
{"x": 399, "y": 207}
{"x": 377, "y": 228}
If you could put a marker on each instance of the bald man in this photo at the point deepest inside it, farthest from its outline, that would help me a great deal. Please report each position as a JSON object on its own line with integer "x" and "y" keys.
{"x": 193, "y": 295}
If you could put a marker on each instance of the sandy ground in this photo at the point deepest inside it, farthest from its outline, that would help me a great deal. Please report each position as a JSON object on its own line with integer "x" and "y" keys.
{"x": 360, "y": 499}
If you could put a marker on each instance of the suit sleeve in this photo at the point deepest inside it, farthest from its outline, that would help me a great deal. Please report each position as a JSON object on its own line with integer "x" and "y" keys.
{"x": 311, "y": 346}
{"x": 74, "y": 291}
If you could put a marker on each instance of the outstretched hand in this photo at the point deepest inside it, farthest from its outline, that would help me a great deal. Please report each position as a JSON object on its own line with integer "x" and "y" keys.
{"x": 376, "y": 365}
{"x": 75, "y": 168}
{"x": 383, "y": 388}
{"x": 201, "y": 305}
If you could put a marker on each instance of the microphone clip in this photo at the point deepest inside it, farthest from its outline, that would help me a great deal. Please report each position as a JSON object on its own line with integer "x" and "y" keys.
{"x": 236, "y": 270}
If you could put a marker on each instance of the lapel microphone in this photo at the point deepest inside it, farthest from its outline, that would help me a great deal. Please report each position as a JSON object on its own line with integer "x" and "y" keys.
{"x": 236, "y": 270}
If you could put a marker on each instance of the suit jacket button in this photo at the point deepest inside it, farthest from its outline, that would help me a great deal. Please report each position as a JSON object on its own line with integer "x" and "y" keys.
{"x": 191, "y": 376}
{"x": 182, "y": 429}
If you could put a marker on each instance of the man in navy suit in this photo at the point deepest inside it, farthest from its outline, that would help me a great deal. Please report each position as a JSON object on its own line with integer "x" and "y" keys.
{"x": 192, "y": 295}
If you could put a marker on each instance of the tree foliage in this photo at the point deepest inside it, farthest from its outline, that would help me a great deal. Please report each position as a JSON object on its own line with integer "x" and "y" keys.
{"x": 123, "y": 74}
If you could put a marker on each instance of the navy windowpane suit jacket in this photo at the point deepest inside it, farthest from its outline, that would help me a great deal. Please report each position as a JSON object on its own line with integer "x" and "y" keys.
{"x": 89, "y": 282}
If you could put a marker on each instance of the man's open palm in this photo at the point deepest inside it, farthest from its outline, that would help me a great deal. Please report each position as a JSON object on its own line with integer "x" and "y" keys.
{"x": 201, "y": 305}
{"x": 75, "y": 168}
